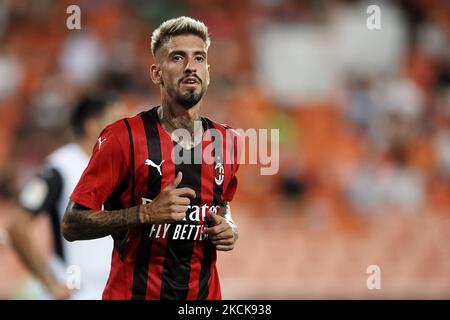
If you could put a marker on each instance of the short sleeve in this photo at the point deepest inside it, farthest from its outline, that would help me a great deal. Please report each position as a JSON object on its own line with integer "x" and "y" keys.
{"x": 105, "y": 171}
{"x": 231, "y": 189}
{"x": 232, "y": 185}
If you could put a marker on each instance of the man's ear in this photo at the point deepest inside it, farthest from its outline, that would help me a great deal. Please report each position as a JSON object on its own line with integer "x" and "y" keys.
{"x": 155, "y": 74}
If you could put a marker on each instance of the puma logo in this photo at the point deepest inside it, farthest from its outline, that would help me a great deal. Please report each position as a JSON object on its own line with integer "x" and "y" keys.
{"x": 100, "y": 141}
{"x": 149, "y": 162}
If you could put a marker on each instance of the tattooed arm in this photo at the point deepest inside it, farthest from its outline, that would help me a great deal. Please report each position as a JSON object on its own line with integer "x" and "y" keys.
{"x": 81, "y": 223}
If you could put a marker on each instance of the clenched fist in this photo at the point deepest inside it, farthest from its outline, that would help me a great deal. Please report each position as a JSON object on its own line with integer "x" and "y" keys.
{"x": 170, "y": 205}
{"x": 222, "y": 233}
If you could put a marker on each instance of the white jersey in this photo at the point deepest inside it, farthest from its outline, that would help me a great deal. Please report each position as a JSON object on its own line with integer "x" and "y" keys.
{"x": 86, "y": 263}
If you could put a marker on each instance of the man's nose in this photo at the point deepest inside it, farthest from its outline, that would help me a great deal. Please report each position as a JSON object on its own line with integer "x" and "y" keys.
{"x": 190, "y": 66}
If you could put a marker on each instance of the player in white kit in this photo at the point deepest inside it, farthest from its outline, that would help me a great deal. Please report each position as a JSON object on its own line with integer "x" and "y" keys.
{"x": 83, "y": 264}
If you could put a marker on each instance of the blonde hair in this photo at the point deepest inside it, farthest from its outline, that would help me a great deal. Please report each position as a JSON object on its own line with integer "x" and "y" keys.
{"x": 178, "y": 26}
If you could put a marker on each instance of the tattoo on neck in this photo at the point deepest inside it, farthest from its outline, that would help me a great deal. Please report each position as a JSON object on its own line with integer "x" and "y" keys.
{"x": 171, "y": 122}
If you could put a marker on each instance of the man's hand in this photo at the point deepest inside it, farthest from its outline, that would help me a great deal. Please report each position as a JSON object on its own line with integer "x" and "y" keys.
{"x": 222, "y": 233}
{"x": 169, "y": 206}
{"x": 81, "y": 223}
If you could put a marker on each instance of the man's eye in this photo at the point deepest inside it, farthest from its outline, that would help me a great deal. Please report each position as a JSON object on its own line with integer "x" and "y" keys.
{"x": 176, "y": 58}
{"x": 200, "y": 58}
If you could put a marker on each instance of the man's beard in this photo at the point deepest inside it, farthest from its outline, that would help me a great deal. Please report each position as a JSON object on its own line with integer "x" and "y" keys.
{"x": 188, "y": 99}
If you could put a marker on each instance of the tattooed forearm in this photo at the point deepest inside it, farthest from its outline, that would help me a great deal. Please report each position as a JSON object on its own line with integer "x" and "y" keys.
{"x": 81, "y": 223}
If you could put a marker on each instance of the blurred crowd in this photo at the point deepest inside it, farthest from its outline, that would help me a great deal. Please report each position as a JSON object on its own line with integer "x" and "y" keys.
{"x": 364, "y": 119}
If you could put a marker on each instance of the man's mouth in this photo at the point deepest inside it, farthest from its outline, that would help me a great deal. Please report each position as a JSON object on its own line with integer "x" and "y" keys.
{"x": 191, "y": 80}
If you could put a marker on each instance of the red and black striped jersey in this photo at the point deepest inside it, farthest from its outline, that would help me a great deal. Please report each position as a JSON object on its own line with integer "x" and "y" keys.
{"x": 133, "y": 160}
